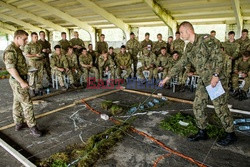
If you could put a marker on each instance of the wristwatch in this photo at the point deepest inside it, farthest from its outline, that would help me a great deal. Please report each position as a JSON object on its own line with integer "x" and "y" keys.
{"x": 216, "y": 75}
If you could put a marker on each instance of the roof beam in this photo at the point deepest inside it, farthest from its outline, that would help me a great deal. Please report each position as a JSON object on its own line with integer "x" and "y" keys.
{"x": 3, "y": 30}
{"x": 237, "y": 13}
{"x": 32, "y": 16}
{"x": 162, "y": 14}
{"x": 63, "y": 15}
{"x": 7, "y": 26}
{"x": 108, "y": 16}
{"x": 20, "y": 22}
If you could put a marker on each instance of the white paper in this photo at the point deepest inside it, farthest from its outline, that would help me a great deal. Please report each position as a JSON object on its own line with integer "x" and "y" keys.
{"x": 215, "y": 92}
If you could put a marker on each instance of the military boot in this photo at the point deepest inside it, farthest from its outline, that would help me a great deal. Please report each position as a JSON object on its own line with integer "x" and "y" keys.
{"x": 35, "y": 132}
{"x": 201, "y": 135}
{"x": 230, "y": 138}
{"x": 19, "y": 126}
{"x": 236, "y": 93}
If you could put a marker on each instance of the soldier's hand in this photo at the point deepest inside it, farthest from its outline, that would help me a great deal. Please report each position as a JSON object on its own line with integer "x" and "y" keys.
{"x": 44, "y": 50}
{"x": 24, "y": 85}
{"x": 163, "y": 82}
{"x": 214, "y": 81}
{"x": 38, "y": 55}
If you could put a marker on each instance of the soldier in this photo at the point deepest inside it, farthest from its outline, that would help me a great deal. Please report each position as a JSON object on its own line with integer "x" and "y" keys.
{"x": 158, "y": 45}
{"x": 64, "y": 43}
{"x": 133, "y": 47}
{"x": 205, "y": 55}
{"x": 93, "y": 54}
{"x": 16, "y": 65}
{"x": 86, "y": 63}
{"x": 112, "y": 53}
{"x": 242, "y": 70}
{"x": 231, "y": 48}
{"x": 147, "y": 43}
{"x": 148, "y": 63}
{"x": 106, "y": 63}
{"x": 178, "y": 44}
{"x": 123, "y": 62}
{"x": 169, "y": 43}
{"x": 77, "y": 43}
{"x": 73, "y": 65}
{"x": 46, "y": 49}
{"x": 33, "y": 51}
{"x": 244, "y": 42}
{"x": 101, "y": 45}
{"x": 161, "y": 63}
{"x": 213, "y": 33}
{"x": 60, "y": 67}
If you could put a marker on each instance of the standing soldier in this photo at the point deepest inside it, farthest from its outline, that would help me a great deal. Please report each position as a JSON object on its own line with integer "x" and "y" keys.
{"x": 161, "y": 63}
{"x": 33, "y": 51}
{"x": 205, "y": 55}
{"x": 93, "y": 54}
{"x": 133, "y": 47}
{"x": 64, "y": 43}
{"x": 158, "y": 45}
{"x": 242, "y": 70}
{"x": 60, "y": 67}
{"x": 244, "y": 42}
{"x": 46, "y": 49}
{"x": 112, "y": 53}
{"x": 73, "y": 66}
{"x": 178, "y": 44}
{"x": 147, "y": 43}
{"x": 231, "y": 48}
{"x": 106, "y": 63}
{"x": 169, "y": 43}
{"x": 123, "y": 62}
{"x": 16, "y": 65}
{"x": 77, "y": 43}
{"x": 101, "y": 45}
{"x": 86, "y": 63}
{"x": 148, "y": 63}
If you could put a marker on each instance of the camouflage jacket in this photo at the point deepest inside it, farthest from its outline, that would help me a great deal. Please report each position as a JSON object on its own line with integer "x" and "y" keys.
{"x": 64, "y": 44}
{"x": 14, "y": 58}
{"x": 162, "y": 61}
{"x": 231, "y": 49}
{"x": 101, "y": 46}
{"x": 244, "y": 45}
{"x": 102, "y": 64}
{"x": 123, "y": 60}
{"x": 34, "y": 48}
{"x": 85, "y": 59}
{"x": 45, "y": 45}
{"x": 178, "y": 45}
{"x": 133, "y": 47}
{"x": 145, "y": 43}
{"x": 148, "y": 60}
{"x": 58, "y": 61}
{"x": 76, "y": 41}
{"x": 243, "y": 66}
{"x": 72, "y": 61}
{"x": 157, "y": 47}
{"x": 172, "y": 63}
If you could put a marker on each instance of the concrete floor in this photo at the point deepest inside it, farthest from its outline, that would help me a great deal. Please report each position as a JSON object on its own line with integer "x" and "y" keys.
{"x": 75, "y": 125}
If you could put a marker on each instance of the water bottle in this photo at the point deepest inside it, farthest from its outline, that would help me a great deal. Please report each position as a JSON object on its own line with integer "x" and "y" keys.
{"x": 156, "y": 101}
{"x": 150, "y": 104}
{"x": 47, "y": 91}
{"x": 244, "y": 128}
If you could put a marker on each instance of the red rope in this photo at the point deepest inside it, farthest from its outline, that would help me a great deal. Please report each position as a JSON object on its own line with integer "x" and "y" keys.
{"x": 160, "y": 158}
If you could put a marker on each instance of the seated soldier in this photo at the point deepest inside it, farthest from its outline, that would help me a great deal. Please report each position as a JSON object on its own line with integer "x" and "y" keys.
{"x": 161, "y": 63}
{"x": 60, "y": 68}
{"x": 123, "y": 61}
{"x": 106, "y": 63}
{"x": 188, "y": 73}
{"x": 148, "y": 63}
{"x": 86, "y": 63}
{"x": 242, "y": 70}
{"x": 112, "y": 53}
{"x": 73, "y": 65}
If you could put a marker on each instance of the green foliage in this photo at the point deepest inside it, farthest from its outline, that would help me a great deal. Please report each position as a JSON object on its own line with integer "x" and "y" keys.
{"x": 4, "y": 73}
{"x": 171, "y": 123}
{"x": 106, "y": 104}
{"x": 115, "y": 109}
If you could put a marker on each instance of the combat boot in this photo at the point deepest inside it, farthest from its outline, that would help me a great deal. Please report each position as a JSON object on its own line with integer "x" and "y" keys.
{"x": 236, "y": 93}
{"x": 243, "y": 95}
{"x": 201, "y": 135}
{"x": 19, "y": 126}
{"x": 230, "y": 138}
{"x": 35, "y": 132}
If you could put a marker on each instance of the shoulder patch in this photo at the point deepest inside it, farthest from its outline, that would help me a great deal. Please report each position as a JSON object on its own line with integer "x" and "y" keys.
{"x": 206, "y": 36}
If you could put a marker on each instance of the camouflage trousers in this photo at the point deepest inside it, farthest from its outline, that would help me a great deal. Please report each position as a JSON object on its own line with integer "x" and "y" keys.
{"x": 47, "y": 69}
{"x": 60, "y": 76}
{"x": 156, "y": 71}
{"x": 36, "y": 77}
{"x": 135, "y": 62}
{"x": 118, "y": 72}
{"x": 235, "y": 80}
{"x": 141, "y": 75}
{"x": 76, "y": 75}
{"x": 112, "y": 70}
{"x": 220, "y": 106}
{"x": 22, "y": 104}
{"x": 86, "y": 73}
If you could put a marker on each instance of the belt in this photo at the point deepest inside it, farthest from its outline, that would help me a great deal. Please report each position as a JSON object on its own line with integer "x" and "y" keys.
{"x": 24, "y": 77}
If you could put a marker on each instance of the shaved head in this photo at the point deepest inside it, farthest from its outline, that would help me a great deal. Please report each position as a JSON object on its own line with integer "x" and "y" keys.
{"x": 187, "y": 25}
{"x": 187, "y": 31}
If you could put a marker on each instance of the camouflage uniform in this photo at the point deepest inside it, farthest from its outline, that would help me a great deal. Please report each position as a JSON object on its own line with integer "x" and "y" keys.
{"x": 231, "y": 49}
{"x": 133, "y": 47}
{"x": 22, "y": 104}
{"x": 145, "y": 43}
{"x": 169, "y": 48}
{"x": 157, "y": 47}
{"x": 87, "y": 60}
{"x": 123, "y": 60}
{"x": 94, "y": 58}
{"x": 205, "y": 55}
{"x": 101, "y": 46}
{"x": 243, "y": 66}
{"x": 60, "y": 61}
{"x": 178, "y": 45}
{"x": 73, "y": 67}
{"x": 102, "y": 65}
{"x": 162, "y": 61}
{"x": 171, "y": 64}
{"x": 113, "y": 55}
{"x": 148, "y": 61}
{"x": 244, "y": 45}
{"x": 77, "y": 41}
{"x": 35, "y": 78}
{"x": 227, "y": 68}
{"x": 64, "y": 45}
{"x": 46, "y": 45}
